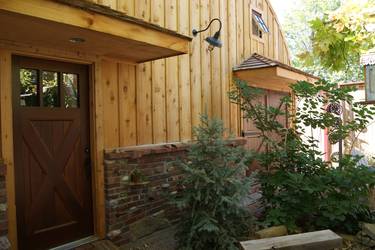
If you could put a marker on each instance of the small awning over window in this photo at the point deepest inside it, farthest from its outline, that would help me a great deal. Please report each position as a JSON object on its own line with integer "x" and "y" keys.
{"x": 87, "y": 27}
{"x": 262, "y": 72}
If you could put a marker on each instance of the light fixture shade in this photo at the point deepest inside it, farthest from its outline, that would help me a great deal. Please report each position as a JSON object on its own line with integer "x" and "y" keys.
{"x": 214, "y": 40}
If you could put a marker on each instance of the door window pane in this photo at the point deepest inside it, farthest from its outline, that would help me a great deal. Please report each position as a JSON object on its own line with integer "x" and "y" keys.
{"x": 29, "y": 96}
{"x": 70, "y": 89}
{"x": 50, "y": 89}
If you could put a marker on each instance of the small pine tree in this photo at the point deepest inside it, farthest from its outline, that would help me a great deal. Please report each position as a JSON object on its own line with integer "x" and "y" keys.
{"x": 213, "y": 187}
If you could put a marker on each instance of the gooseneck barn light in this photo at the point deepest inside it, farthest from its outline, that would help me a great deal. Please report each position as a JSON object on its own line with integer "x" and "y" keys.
{"x": 213, "y": 41}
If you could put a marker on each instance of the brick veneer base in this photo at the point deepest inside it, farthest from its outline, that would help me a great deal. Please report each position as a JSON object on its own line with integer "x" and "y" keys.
{"x": 4, "y": 243}
{"x": 135, "y": 210}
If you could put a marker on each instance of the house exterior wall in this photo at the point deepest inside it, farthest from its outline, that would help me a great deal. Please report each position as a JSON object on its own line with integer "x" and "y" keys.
{"x": 137, "y": 209}
{"x": 150, "y": 103}
{"x": 134, "y": 210}
{"x": 3, "y": 206}
{"x": 160, "y": 101}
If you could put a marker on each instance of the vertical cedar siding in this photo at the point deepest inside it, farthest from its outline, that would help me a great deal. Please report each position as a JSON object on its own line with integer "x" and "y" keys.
{"x": 160, "y": 101}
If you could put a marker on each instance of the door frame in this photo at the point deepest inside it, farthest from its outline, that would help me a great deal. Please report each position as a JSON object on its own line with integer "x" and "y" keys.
{"x": 95, "y": 126}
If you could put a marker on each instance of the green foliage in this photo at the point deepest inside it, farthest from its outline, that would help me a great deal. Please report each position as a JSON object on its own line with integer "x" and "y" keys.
{"x": 340, "y": 36}
{"x": 212, "y": 189}
{"x": 299, "y": 187}
{"x": 311, "y": 113}
{"x": 320, "y": 197}
{"x": 297, "y": 30}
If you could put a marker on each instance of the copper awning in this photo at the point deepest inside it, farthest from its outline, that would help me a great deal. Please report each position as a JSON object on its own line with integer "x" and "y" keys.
{"x": 106, "y": 32}
{"x": 262, "y": 72}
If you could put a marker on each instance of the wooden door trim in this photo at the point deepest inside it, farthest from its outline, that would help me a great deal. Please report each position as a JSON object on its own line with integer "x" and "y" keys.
{"x": 96, "y": 136}
{"x": 6, "y": 110}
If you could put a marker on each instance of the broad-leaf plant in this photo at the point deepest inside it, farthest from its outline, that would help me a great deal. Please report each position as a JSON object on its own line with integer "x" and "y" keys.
{"x": 300, "y": 189}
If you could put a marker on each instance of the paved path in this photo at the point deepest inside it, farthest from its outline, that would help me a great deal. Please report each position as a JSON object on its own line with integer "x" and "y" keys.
{"x": 160, "y": 240}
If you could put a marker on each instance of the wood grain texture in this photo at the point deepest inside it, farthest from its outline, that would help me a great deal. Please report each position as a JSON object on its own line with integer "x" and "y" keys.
{"x": 325, "y": 239}
{"x": 127, "y": 105}
{"x": 123, "y": 105}
{"x": 144, "y": 104}
{"x": 215, "y": 66}
{"x": 195, "y": 67}
{"x": 91, "y": 23}
{"x": 143, "y": 82}
{"x": 125, "y": 111}
{"x": 240, "y": 26}
{"x": 97, "y": 142}
{"x": 184, "y": 74}
{"x": 159, "y": 115}
{"x": 205, "y": 62}
{"x": 247, "y": 27}
{"x": 6, "y": 112}
{"x": 172, "y": 88}
{"x": 232, "y": 59}
{"x": 224, "y": 66}
{"x": 110, "y": 104}
{"x": 185, "y": 87}
{"x": 168, "y": 95}
{"x": 126, "y": 6}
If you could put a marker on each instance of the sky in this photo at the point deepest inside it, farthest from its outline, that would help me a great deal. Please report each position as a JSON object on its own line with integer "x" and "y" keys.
{"x": 281, "y": 7}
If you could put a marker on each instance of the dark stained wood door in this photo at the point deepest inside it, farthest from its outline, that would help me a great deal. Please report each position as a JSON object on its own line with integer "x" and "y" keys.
{"x": 51, "y": 148}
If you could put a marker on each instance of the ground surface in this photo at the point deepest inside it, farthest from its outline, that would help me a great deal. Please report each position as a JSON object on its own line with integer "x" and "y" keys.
{"x": 160, "y": 240}
{"x": 98, "y": 245}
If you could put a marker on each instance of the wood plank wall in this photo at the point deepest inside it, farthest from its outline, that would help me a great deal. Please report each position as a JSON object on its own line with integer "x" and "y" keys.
{"x": 160, "y": 101}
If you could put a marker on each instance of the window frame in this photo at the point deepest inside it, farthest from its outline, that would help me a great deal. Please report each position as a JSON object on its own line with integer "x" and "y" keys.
{"x": 261, "y": 25}
{"x": 60, "y": 102}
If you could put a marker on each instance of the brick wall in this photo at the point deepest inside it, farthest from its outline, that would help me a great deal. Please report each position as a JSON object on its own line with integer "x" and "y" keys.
{"x": 135, "y": 210}
{"x": 3, "y": 202}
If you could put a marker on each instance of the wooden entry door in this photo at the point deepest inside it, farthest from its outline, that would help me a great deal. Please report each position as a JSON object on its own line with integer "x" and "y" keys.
{"x": 51, "y": 149}
{"x": 252, "y": 135}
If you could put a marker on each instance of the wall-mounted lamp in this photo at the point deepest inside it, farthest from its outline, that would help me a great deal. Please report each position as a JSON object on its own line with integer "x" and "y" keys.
{"x": 213, "y": 41}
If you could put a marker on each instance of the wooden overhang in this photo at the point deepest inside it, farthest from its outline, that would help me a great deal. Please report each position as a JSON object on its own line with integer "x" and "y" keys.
{"x": 106, "y": 32}
{"x": 265, "y": 73}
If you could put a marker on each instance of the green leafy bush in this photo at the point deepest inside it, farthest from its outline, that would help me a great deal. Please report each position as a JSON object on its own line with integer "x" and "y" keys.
{"x": 334, "y": 198}
{"x": 212, "y": 189}
{"x": 300, "y": 189}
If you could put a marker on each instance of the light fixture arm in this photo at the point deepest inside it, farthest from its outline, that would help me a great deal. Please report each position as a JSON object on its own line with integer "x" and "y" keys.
{"x": 195, "y": 32}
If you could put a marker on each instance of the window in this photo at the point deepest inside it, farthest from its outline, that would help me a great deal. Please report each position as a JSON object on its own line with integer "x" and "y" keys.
{"x": 42, "y": 88}
{"x": 29, "y": 95}
{"x": 50, "y": 87}
{"x": 70, "y": 86}
{"x": 259, "y": 26}
{"x": 370, "y": 83}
